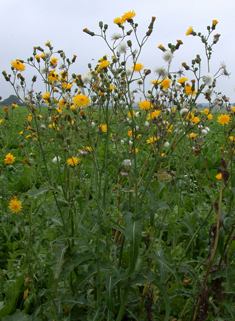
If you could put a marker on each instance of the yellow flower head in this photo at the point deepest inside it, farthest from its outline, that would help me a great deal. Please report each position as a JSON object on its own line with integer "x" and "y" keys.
{"x": 206, "y": 111}
{"x": 233, "y": 109}
{"x": 9, "y": 159}
{"x": 219, "y": 176}
{"x": 192, "y": 135}
{"x": 21, "y": 132}
{"x": 214, "y": 22}
{"x": 196, "y": 120}
{"x": 189, "y": 91}
{"x": 145, "y": 105}
{"x": 47, "y": 43}
{"x": 73, "y": 161}
{"x": 130, "y": 134}
{"x": 37, "y": 57}
{"x": 14, "y": 105}
{"x": 46, "y": 96}
{"x": 209, "y": 116}
{"x": 131, "y": 113}
{"x": 189, "y": 31}
{"x": 154, "y": 114}
{"x": 118, "y": 21}
{"x": 15, "y": 205}
{"x": 182, "y": 80}
{"x": 18, "y": 65}
{"x": 223, "y": 119}
{"x": 165, "y": 83}
{"x": 81, "y": 100}
{"x": 137, "y": 67}
{"x": 103, "y": 128}
{"x": 104, "y": 64}
{"x": 127, "y": 16}
{"x": 151, "y": 140}
{"x": 54, "y": 61}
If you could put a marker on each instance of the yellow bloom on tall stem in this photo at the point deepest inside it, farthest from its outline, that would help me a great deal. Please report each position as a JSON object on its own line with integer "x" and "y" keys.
{"x": 118, "y": 21}
{"x": 137, "y": 67}
{"x": 182, "y": 80}
{"x": 103, "y": 128}
{"x": 223, "y": 119}
{"x": 154, "y": 114}
{"x": 127, "y": 16}
{"x": 73, "y": 161}
{"x": 81, "y": 100}
{"x": 46, "y": 96}
{"x": 54, "y": 61}
{"x": 15, "y": 205}
{"x": 165, "y": 83}
{"x": 18, "y": 65}
{"x": 189, "y": 31}
{"x": 104, "y": 64}
{"x": 145, "y": 105}
{"x": 9, "y": 159}
{"x": 151, "y": 140}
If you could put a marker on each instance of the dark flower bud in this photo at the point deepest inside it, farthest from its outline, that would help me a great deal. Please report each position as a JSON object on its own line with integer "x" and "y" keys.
{"x": 105, "y": 27}
{"x": 101, "y": 24}
{"x": 91, "y": 33}
{"x": 129, "y": 32}
{"x": 129, "y": 43}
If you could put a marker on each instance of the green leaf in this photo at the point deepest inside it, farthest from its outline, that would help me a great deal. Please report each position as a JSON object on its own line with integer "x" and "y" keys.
{"x": 162, "y": 205}
{"x": 134, "y": 233}
{"x": 165, "y": 298}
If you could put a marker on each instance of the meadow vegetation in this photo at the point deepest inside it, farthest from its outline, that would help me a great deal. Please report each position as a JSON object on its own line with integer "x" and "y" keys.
{"x": 110, "y": 212}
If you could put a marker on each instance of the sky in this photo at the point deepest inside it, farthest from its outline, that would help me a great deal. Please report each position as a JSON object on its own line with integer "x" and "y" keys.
{"x": 28, "y": 23}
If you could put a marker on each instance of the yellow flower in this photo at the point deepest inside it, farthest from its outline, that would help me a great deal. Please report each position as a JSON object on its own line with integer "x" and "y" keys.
{"x": 18, "y": 65}
{"x": 29, "y": 118}
{"x": 1, "y": 121}
{"x": 182, "y": 80}
{"x": 130, "y": 133}
{"x": 188, "y": 90}
{"x": 15, "y": 205}
{"x": 165, "y": 83}
{"x": 128, "y": 15}
{"x": 232, "y": 138}
{"x": 118, "y": 21}
{"x": 89, "y": 148}
{"x": 61, "y": 103}
{"x": 173, "y": 109}
{"x": 72, "y": 107}
{"x": 206, "y": 111}
{"x": 37, "y": 57}
{"x": 103, "y": 128}
{"x": 81, "y": 100}
{"x": 137, "y": 67}
{"x": 42, "y": 55}
{"x": 73, "y": 161}
{"x": 111, "y": 87}
{"x": 21, "y": 132}
{"x": 233, "y": 109}
{"x": 52, "y": 76}
{"x": 14, "y": 105}
{"x": 145, "y": 105}
{"x": 190, "y": 116}
{"x": 189, "y": 31}
{"x": 54, "y": 61}
{"x": 104, "y": 64}
{"x": 47, "y": 43}
{"x": 46, "y": 95}
{"x": 69, "y": 86}
{"x": 154, "y": 81}
{"x": 9, "y": 159}
{"x": 192, "y": 135}
{"x": 28, "y": 136}
{"x": 131, "y": 113}
{"x": 151, "y": 140}
{"x": 210, "y": 116}
{"x": 196, "y": 120}
{"x": 214, "y": 22}
{"x": 219, "y": 176}
{"x": 223, "y": 119}
{"x": 160, "y": 46}
{"x": 154, "y": 114}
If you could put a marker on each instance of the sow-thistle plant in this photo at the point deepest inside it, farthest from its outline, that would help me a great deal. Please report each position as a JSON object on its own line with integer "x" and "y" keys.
{"x": 111, "y": 182}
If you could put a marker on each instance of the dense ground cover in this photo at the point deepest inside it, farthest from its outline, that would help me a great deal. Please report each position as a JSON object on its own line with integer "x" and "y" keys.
{"x": 117, "y": 213}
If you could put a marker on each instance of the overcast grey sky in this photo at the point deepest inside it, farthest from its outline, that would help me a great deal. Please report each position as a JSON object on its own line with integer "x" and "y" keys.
{"x": 28, "y": 23}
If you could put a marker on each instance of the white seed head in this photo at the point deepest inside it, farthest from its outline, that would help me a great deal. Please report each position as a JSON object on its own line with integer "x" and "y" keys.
{"x": 207, "y": 79}
{"x": 146, "y": 124}
{"x": 86, "y": 79}
{"x": 183, "y": 111}
{"x": 129, "y": 71}
{"x": 160, "y": 71}
{"x": 56, "y": 159}
{"x": 122, "y": 47}
{"x": 116, "y": 36}
{"x": 167, "y": 56}
{"x": 126, "y": 163}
